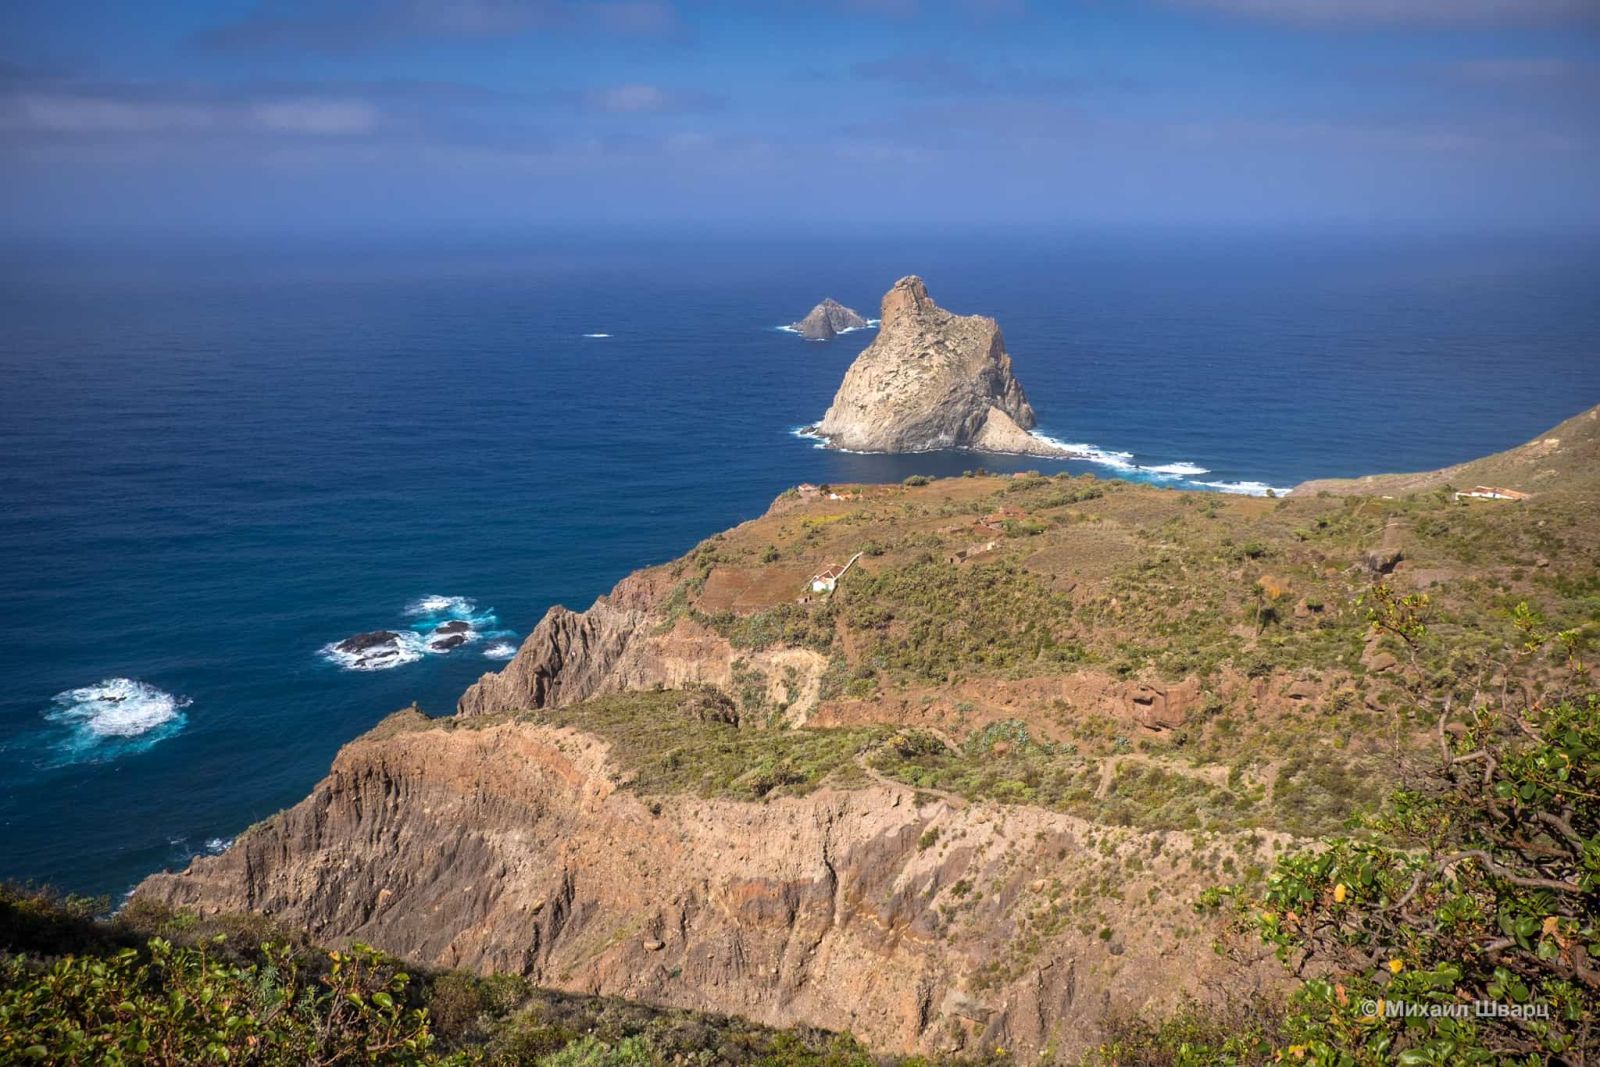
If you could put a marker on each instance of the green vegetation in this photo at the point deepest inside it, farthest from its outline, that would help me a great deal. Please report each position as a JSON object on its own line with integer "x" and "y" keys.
{"x": 165, "y": 989}
{"x": 922, "y": 621}
{"x": 791, "y": 625}
{"x": 1484, "y": 891}
{"x": 694, "y": 742}
{"x": 1466, "y": 928}
{"x": 1003, "y": 763}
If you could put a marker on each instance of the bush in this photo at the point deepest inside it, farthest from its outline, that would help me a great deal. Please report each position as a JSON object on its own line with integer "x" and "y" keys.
{"x": 1485, "y": 890}
{"x": 167, "y": 1004}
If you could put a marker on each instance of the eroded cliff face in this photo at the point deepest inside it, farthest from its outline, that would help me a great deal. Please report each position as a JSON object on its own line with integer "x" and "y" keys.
{"x": 914, "y": 920}
{"x": 512, "y": 839}
{"x": 629, "y": 641}
{"x": 931, "y": 380}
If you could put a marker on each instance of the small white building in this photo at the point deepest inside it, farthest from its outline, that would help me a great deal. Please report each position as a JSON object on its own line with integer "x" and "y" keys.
{"x": 827, "y": 579}
{"x": 1491, "y": 492}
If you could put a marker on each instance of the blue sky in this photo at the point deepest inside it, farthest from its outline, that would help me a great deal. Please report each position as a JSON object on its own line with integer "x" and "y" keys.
{"x": 414, "y": 113}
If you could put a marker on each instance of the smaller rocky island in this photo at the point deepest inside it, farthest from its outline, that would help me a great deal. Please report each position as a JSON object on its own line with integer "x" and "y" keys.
{"x": 827, "y": 320}
{"x": 932, "y": 380}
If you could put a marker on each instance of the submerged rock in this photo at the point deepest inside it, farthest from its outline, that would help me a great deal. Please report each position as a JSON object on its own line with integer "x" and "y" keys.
{"x": 828, "y": 319}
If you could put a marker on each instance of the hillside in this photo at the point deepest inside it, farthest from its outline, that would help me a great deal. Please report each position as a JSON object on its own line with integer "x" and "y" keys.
{"x": 1565, "y": 458}
{"x": 964, "y": 801}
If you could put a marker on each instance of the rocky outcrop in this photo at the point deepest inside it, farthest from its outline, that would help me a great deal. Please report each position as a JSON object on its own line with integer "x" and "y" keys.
{"x": 1562, "y": 459}
{"x": 827, "y": 320}
{"x": 913, "y": 920}
{"x": 931, "y": 380}
{"x": 629, "y": 641}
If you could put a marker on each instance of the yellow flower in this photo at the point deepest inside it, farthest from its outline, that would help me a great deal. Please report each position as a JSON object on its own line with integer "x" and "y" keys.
{"x": 1339, "y": 893}
{"x": 1396, "y": 966}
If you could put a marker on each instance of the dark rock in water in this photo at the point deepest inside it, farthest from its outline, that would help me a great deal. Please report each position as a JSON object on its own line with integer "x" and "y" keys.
{"x": 827, "y": 319}
{"x": 445, "y": 644}
{"x": 455, "y": 626}
{"x": 366, "y": 642}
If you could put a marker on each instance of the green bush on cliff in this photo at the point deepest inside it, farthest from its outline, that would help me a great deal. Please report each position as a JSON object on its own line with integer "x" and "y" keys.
{"x": 170, "y": 1004}
{"x": 1471, "y": 933}
{"x": 78, "y": 990}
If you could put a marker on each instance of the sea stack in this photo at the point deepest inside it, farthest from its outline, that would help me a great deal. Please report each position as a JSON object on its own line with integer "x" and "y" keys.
{"x": 828, "y": 319}
{"x": 931, "y": 380}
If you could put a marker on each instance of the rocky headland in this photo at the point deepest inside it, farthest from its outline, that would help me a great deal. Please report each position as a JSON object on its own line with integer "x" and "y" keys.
{"x": 965, "y": 800}
{"x": 932, "y": 380}
{"x": 827, "y": 320}
{"x": 1563, "y": 458}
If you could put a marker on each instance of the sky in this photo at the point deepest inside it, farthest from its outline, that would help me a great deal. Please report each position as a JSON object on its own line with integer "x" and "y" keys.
{"x": 319, "y": 114}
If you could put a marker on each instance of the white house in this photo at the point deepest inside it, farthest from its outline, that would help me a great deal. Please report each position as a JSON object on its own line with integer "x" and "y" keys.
{"x": 1492, "y": 492}
{"x": 825, "y": 580}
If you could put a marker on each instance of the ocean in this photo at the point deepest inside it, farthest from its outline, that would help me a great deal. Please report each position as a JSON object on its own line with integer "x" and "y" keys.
{"x": 219, "y": 456}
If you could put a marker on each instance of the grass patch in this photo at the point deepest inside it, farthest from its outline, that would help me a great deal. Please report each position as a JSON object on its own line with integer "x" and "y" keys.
{"x": 676, "y": 742}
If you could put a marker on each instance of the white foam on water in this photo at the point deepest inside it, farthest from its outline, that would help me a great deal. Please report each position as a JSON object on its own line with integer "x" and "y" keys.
{"x": 1246, "y": 488}
{"x": 117, "y": 708}
{"x": 500, "y": 650}
{"x": 407, "y": 647}
{"x": 434, "y": 604}
{"x": 1180, "y": 470}
{"x": 597, "y": 335}
{"x": 1122, "y": 461}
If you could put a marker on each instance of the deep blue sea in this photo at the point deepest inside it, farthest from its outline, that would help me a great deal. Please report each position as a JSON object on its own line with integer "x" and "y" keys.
{"x": 218, "y": 456}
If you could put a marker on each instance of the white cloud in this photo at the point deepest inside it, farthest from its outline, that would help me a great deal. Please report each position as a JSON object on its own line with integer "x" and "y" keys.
{"x": 83, "y": 114}
{"x": 1434, "y": 12}
{"x": 637, "y": 98}
{"x": 322, "y": 118}
{"x": 629, "y": 98}
{"x": 86, "y": 114}
{"x": 1526, "y": 71}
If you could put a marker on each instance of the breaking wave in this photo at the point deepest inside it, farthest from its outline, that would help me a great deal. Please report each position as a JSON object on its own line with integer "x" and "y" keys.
{"x": 115, "y": 717}
{"x": 500, "y": 650}
{"x": 458, "y": 606}
{"x": 1246, "y": 488}
{"x": 441, "y": 624}
{"x": 402, "y": 647}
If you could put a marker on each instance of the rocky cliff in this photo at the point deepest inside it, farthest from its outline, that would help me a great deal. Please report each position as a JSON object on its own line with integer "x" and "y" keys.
{"x": 827, "y": 320}
{"x": 931, "y": 380}
{"x": 967, "y": 797}
{"x": 915, "y": 920}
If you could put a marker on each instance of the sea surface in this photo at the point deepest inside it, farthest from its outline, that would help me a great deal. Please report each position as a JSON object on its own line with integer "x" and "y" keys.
{"x": 219, "y": 456}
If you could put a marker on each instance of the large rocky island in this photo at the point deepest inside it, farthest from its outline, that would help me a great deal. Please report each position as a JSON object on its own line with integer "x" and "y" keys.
{"x": 932, "y": 380}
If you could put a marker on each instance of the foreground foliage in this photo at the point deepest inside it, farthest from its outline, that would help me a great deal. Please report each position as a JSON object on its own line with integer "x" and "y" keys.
{"x": 154, "y": 987}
